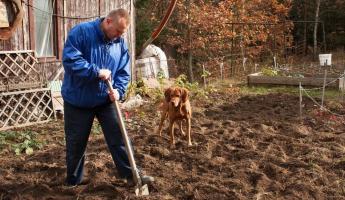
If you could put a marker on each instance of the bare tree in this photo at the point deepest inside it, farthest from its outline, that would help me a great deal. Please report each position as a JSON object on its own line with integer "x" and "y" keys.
{"x": 316, "y": 24}
{"x": 305, "y": 28}
{"x": 190, "y": 54}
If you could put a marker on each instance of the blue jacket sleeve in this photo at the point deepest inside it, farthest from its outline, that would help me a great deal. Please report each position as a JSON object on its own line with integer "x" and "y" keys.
{"x": 123, "y": 74}
{"x": 73, "y": 59}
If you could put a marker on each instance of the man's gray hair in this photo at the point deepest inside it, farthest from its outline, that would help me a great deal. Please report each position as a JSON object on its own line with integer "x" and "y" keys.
{"x": 120, "y": 13}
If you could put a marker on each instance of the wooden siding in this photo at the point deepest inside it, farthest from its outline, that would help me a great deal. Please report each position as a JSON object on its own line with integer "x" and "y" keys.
{"x": 21, "y": 40}
{"x": 25, "y": 24}
{"x": 16, "y": 42}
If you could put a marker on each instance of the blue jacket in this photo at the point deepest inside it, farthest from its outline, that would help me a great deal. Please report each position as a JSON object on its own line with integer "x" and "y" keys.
{"x": 85, "y": 53}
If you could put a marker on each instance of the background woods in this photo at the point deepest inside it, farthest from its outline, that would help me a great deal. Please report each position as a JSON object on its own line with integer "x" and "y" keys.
{"x": 209, "y": 32}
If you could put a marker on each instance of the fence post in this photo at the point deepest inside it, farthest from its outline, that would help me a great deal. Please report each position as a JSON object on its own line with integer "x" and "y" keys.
{"x": 221, "y": 70}
{"x": 323, "y": 88}
{"x": 275, "y": 62}
{"x": 203, "y": 73}
{"x": 231, "y": 51}
{"x": 232, "y": 72}
{"x": 342, "y": 86}
{"x": 300, "y": 100}
{"x": 244, "y": 64}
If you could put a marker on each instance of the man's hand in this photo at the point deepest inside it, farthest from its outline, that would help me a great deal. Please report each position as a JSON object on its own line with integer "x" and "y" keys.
{"x": 104, "y": 74}
{"x": 114, "y": 95}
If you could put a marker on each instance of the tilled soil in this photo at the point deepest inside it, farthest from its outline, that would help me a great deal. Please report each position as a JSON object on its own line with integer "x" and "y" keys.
{"x": 244, "y": 147}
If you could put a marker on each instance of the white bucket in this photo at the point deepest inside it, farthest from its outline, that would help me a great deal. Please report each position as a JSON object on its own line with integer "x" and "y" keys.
{"x": 325, "y": 59}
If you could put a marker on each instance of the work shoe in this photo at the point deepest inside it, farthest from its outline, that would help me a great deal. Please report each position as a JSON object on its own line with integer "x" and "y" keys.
{"x": 144, "y": 180}
{"x": 147, "y": 179}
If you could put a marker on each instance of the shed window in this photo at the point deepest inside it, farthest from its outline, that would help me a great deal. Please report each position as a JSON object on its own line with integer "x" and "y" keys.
{"x": 44, "y": 28}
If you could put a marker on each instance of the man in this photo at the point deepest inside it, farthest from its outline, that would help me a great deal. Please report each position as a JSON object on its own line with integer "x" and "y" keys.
{"x": 95, "y": 52}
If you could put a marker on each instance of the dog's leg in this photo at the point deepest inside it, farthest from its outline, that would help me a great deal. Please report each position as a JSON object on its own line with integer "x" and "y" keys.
{"x": 164, "y": 116}
{"x": 188, "y": 131}
{"x": 171, "y": 130}
{"x": 181, "y": 129}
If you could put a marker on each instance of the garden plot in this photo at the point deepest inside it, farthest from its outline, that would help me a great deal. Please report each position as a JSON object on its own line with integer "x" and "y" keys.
{"x": 244, "y": 147}
{"x": 316, "y": 80}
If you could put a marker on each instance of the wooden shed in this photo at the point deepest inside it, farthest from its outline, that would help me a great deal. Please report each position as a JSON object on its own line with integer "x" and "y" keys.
{"x": 30, "y": 59}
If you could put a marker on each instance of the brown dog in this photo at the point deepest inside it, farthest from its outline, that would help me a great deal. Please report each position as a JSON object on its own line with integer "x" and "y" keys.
{"x": 177, "y": 107}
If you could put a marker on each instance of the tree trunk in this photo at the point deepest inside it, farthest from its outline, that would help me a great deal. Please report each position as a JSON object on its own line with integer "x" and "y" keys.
{"x": 190, "y": 56}
{"x": 315, "y": 26}
{"x": 190, "y": 66}
{"x": 305, "y": 28}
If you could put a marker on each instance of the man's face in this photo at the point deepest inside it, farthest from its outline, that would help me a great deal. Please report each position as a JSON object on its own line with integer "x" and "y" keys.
{"x": 115, "y": 28}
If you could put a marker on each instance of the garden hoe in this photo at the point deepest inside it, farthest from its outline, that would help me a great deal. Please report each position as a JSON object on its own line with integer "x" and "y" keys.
{"x": 140, "y": 189}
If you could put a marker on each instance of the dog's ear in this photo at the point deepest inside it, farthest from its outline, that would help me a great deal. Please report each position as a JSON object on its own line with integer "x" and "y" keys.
{"x": 167, "y": 94}
{"x": 184, "y": 94}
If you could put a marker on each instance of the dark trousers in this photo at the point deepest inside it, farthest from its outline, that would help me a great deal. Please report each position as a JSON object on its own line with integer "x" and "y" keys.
{"x": 78, "y": 123}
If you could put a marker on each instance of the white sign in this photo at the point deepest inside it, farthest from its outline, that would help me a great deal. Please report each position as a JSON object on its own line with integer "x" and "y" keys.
{"x": 325, "y": 59}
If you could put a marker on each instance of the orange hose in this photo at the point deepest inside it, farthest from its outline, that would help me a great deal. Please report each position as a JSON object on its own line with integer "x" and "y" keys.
{"x": 160, "y": 26}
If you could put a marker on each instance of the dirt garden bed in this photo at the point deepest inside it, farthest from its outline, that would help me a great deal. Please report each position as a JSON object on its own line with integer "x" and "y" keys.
{"x": 244, "y": 147}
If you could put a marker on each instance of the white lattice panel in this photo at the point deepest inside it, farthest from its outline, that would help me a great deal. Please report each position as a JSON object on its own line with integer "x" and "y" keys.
{"x": 22, "y": 108}
{"x": 18, "y": 70}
